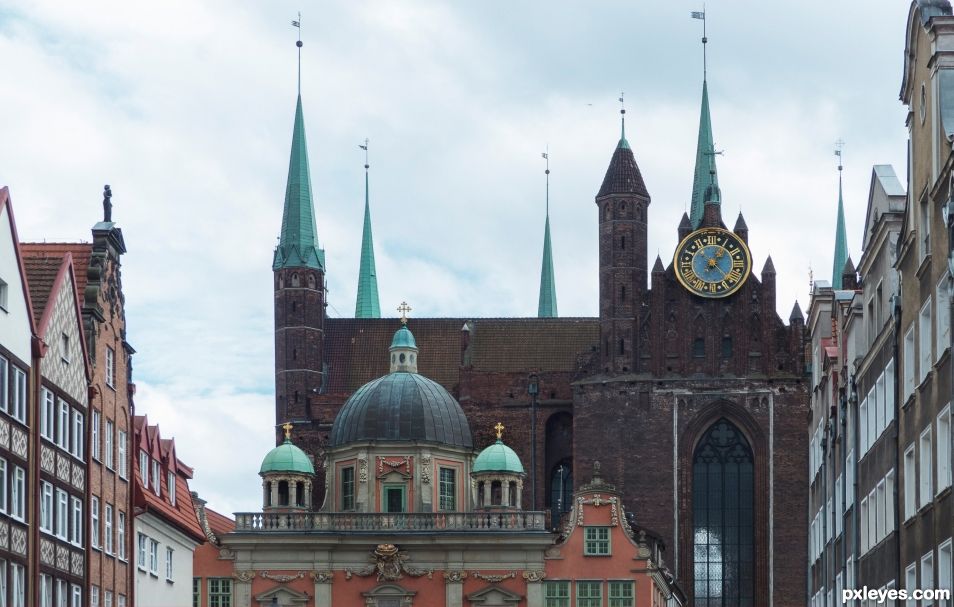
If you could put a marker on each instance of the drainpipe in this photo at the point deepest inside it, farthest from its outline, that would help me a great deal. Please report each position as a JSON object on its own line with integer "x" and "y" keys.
{"x": 855, "y": 503}
{"x": 896, "y": 436}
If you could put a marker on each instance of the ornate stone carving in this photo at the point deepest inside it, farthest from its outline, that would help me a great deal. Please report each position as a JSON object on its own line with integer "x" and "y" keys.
{"x": 62, "y": 468}
{"x": 493, "y": 578}
{"x": 282, "y": 578}
{"x": 62, "y": 558}
{"x": 389, "y": 563}
{"x": 4, "y": 434}
{"x": 244, "y": 576}
{"x": 78, "y": 477}
{"x": 76, "y": 563}
{"x": 401, "y": 465}
{"x": 426, "y": 470}
{"x": 322, "y": 577}
{"x": 598, "y": 501}
{"x": 47, "y": 459}
{"x": 452, "y": 576}
{"x": 534, "y": 576}
{"x": 226, "y": 555}
{"x": 362, "y": 470}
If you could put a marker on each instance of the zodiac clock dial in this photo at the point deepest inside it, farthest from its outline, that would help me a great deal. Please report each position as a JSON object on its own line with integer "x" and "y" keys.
{"x": 712, "y": 262}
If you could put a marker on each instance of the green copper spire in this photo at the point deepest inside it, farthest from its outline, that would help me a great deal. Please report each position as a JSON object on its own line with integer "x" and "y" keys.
{"x": 622, "y": 128}
{"x": 547, "y": 307}
{"x": 841, "y": 236}
{"x": 705, "y": 174}
{"x": 367, "y": 305}
{"x": 298, "y": 245}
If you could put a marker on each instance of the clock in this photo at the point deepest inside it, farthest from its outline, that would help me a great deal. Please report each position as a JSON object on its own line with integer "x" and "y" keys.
{"x": 712, "y": 262}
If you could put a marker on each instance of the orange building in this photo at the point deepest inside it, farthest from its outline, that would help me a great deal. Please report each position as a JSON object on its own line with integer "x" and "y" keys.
{"x": 415, "y": 516}
{"x": 212, "y": 575}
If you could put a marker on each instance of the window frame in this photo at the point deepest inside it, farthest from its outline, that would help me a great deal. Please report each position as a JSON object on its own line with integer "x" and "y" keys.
{"x": 925, "y": 464}
{"x": 121, "y": 535}
{"x": 121, "y": 445}
{"x": 47, "y": 414}
{"x": 108, "y": 535}
{"x": 446, "y": 499}
{"x": 925, "y": 339}
{"x": 96, "y": 418}
{"x": 594, "y": 546}
{"x": 94, "y": 522}
{"x": 585, "y": 596}
{"x": 108, "y": 455}
{"x": 221, "y": 595}
{"x": 943, "y": 447}
{"x": 625, "y": 599}
{"x": 347, "y": 489}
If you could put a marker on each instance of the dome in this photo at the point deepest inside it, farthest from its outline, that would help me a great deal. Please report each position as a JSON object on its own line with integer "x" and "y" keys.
{"x": 286, "y": 457}
{"x": 402, "y": 407}
{"x": 403, "y": 338}
{"x": 498, "y": 457}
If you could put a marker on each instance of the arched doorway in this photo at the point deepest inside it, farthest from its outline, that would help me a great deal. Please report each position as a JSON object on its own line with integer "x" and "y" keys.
{"x": 722, "y": 518}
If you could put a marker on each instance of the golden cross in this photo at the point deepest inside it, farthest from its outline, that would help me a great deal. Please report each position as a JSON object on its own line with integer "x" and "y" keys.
{"x": 287, "y": 426}
{"x": 404, "y": 309}
{"x": 499, "y": 428}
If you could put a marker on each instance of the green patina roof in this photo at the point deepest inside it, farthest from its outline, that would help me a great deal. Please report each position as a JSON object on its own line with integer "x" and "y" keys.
{"x": 286, "y": 457}
{"x": 705, "y": 175}
{"x": 841, "y": 242}
{"x": 403, "y": 338}
{"x": 547, "y": 306}
{"x": 367, "y": 305}
{"x": 298, "y": 246}
{"x": 622, "y": 134}
{"x": 498, "y": 457}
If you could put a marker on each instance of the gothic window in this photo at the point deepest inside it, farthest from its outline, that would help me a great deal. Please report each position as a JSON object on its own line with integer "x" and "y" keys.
{"x": 282, "y": 493}
{"x": 294, "y": 280}
{"x": 726, "y": 346}
{"x": 722, "y": 513}
{"x": 622, "y": 206}
{"x": 606, "y": 213}
{"x": 311, "y": 281}
{"x": 622, "y": 294}
{"x": 699, "y": 347}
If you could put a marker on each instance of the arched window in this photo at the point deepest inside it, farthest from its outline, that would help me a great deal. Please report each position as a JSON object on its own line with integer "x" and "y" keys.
{"x": 722, "y": 519}
{"x": 282, "y": 493}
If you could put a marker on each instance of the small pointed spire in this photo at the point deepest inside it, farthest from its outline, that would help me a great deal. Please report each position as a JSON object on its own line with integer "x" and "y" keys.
{"x": 705, "y": 177}
{"x": 769, "y": 267}
{"x": 622, "y": 123}
{"x": 547, "y": 304}
{"x": 841, "y": 236}
{"x": 796, "y": 315}
{"x": 658, "y": 266}
{"x": 740, "y": 223}
{"x": 367, "y": 304}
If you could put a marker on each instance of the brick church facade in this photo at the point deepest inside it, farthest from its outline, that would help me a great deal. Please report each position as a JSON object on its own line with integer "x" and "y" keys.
{"x": 693, "y": 401}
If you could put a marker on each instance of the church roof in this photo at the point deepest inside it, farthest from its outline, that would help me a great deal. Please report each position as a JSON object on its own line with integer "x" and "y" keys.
{"x": 367, "y": 305}
{"x": 623, "y": 175}
{"x": 547, "y": 305}
{"x": 705, "y": 178}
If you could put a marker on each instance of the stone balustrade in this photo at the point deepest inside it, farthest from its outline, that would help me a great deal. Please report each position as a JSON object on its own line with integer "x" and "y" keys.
{"x": 390, "y": 522}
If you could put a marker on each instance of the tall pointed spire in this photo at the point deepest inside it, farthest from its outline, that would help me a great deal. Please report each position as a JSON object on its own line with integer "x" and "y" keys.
{"x": 841, "y": 236}
{"x": 622, "y": 124}
{"x": 705, "y": 174}
{"x": 367, "y": 305}
{"x": 298, "y": 243}
{"x": 547, "y": 306}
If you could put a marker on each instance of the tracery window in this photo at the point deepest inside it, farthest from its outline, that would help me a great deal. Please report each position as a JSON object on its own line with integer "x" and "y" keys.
{"x": 723, "y": 554}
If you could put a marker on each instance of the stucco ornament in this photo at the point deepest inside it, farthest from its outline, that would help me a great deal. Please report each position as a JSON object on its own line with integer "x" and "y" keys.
{"x": 362, "y": 470}
{"x": 534, "y": 576}
{"x": 454, "y": 576}
{"x": 494, "y": 578}
{"x": 244, "y": 576}
{"x": 282, "y": 578}
{"x": 389, "y": 563}
{"x": 322, "y": 577}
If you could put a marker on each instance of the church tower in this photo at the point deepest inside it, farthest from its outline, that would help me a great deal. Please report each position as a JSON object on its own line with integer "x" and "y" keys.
{"x": 299, "y": 284}
{"x": 622, "y": 203}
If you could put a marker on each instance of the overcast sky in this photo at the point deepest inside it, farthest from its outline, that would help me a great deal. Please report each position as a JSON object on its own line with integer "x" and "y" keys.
{"x": 185, "y": 108}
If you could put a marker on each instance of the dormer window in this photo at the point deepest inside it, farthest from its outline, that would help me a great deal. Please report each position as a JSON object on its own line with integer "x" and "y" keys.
{"x": 156, "y": 483}
{"x": 171, "y": 486}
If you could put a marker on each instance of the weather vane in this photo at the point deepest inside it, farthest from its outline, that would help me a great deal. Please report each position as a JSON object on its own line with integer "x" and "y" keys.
{"x": 702, "y": 15}
{"x": 297, "y": 24}
{"x": 839, "y": 146}
{"x": 365, "y": 148}
{"x": 546, "y": 156}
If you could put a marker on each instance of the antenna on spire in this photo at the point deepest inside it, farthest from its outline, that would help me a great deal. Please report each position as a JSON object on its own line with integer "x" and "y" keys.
{"x": 365, "y": 148}
{"x": 297, "y": 24}
{"x": 546, "y": 156}
{"x": 839, "y": 146}
{"x": 622, "y": 114}
{"x": 702, "y": 15}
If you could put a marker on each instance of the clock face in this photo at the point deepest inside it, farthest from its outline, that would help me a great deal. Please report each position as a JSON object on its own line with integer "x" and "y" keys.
{"x": 712, "y": 262}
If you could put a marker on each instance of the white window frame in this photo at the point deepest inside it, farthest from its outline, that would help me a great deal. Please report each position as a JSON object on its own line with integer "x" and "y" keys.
{"x": 156, "y": 481}
{"x": 45, "y": 590}
{"x": 76, "y": 594}
{"x": 910, "y": 361}
{"x": 121, "y": 535}
{"x": 123, "y": 463}
{"x": 47, "y": 414}
{"x": 925, "y": 338}
{"x": 890, "y": 393}
{"x": 169, "y": 557}
{"x": 20, "y": 395}
{"x": 46, "y": 507}
{"x": 144, "y": 467}
{"x": 3, "y": 487}
{"x": 141, "y": 551}
{"x": 61, "y": 523}
{"x": 62, "y": 593}
{"x": 76, "y": 521}
{"x": 63, "y": 425}
{"x": 910, "y": 483}
{"x": 926, "y": 466}
{"x": 911, "y": 582}
{"x": 110, "y": 367}
{"x": 18, "y": 494}
{"x": 94, "y": 522}
{"x": 153, "y": 557}
{"x": 927, "y": 575}
{"x": 78, "y": 435}
{"x": 108, "y": 529}
{"x": 889, "y": 501}
{"x": 95, "y": 421}
{"x": 108, "y": 442}
{"x": 17, "y": 585}
{"x": 171, "y": 486}
{"x": 850, "y": 480}
{"x": 4, "y": 384}
{"x": 942, "y": 337}
{"x": 943, "y": 445}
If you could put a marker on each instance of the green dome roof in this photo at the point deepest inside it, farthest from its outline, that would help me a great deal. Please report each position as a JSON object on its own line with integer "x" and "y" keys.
{"x": 403, "y": 338}
{"x": 498, "y": 457}
{"x": 286, "y": 457}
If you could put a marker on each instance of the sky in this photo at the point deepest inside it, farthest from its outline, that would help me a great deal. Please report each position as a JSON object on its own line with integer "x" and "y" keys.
{"x": 186, "y": 107}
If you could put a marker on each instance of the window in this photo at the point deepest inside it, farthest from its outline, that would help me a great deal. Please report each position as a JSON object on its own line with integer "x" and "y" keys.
{"x": 925, "y": 341}
{"x": 196, "y": 592}
{"x": 76, "y": 521}
{"x": 865, "y": 528}
{"x": 46, "y": 590}
{"x": 110, "y": 367}
{"x": 220, "y": 592}
{"x": 347, "y": 489}
{"x": 20, "y": 395}
{"x": 156, "y": 483}
{"x": 63, "y": 426}
{"x": 890, "y": 396}
{"x": 107, "y": 598}
{"x": 944, "y": 569}
{"x": 62, "y": 588}
{"x": 589, "y": 594}
{"x": 122, "y": 600}
{"x": 94, "y": 521}
{"x": 927, "y": 575}
{"x": 144, "y": 467}
{"x": 18, "y": 494}
{"x": 863, "y": 427}
{"x": 910, "y": 484}
{"x": 108, "y": 529}
{"x": 3, "y": 488}
{"x": 621, "y": 594}
{"x": 880, "y": 514}
{"x": 926, "y": 473}
{"x": 722, "y": 511}
{"x": 168, "y": 564}
{"x": 94, "y": 596}
{"x": 3, "y": 294}
{"x": 171, "y": 486}
{"x": 909, "y": 356}
{"x": 839, "y": 508}
{"x": 849, "y": 480}
{"x": 62, "y": 513}
{"x": 889, "y": 501}
{"x": 944, "y": 439}
{"x": 78, "y": 436}
{"x": 46, "y": 507}
{"x": 123, "y": 464}
{"x": 94, "y": 443}
{"x": 77, "y": 596}
{"x": 142, "y": 552}
{"x": 153, "y": 557}
{"x": 17, "y": 585}
{"x": 942, "y": 337}
{"x": 3, "y": 583}
{"x": 65, "y": 348}
{"x": 879, "y": 404}
{"x": 448, "y": 489}
{"x": 925, "y": 228}
{"x": 121, "y": 540}
{"x": 4, "y": 384}
{"x": 47, "y": 414}
{"x": 108, "y": 440}
{"x": 596, "y": 541}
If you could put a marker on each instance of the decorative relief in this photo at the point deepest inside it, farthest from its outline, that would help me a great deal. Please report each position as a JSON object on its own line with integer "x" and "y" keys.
{"x": 18, "y": 540}
{"x": 388, "y": 562}
{"x": 47, "y": 552}
{"x": 226, "y": 555}
{"x": 322, "y": 577}
{"x": 493, "y": 578}
{"x": 78, "y": 477}
{"x": 4, "y": 535}
{"x": 453, "y": 576}
{"x": 534, "y": 576}
{"x": 62, "y": 468}
{"x": 362, "y": 470}
{"x": 244, "y": 576}
{"x": 76, "y": 563}
{"x": 426, "y": 470}
{"x": 18, "y": 442}
{"x": 4, "y": 434}
{"x": 282, "y": 578}
{"x": 597, "y": 501}
{"x": 47, "y": 460}
{"x": 62, "y": 558}
{"x": 401, "y": 465}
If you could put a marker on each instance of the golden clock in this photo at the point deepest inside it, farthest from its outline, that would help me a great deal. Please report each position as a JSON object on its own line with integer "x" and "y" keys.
{"x": 712, "y": 262}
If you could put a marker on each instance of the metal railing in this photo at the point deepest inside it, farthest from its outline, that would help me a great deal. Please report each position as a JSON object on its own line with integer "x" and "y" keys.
{"x": 390, "y": 522}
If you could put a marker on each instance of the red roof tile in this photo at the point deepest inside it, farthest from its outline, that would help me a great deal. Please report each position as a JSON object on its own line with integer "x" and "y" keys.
{"x": 81, "y": 252}
{"x": 219, "y": 523}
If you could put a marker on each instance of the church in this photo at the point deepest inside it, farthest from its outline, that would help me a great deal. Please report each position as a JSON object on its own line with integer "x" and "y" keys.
{"x": 686, "y": 395}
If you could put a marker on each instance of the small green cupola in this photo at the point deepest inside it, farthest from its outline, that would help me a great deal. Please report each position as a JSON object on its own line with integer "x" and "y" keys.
{"x": 286, "y": 457}
{"x": 498, "y": 474}
{"x": 403, "y": 346}
{"x": 498, "y": 457}
{"x": 287, "y": 474}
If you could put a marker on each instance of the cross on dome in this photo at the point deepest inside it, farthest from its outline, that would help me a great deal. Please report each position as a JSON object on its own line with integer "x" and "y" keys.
{"x": 404, "y": 309}
{"x": 499, "y": 428}
{"x": 287, "y": 426}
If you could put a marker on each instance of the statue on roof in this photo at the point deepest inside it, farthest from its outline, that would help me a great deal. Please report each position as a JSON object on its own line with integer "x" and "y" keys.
{"x": 107, "y": 204}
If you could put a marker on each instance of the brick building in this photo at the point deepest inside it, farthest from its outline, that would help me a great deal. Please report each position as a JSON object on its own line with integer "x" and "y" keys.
{"x": 688, "y": 370}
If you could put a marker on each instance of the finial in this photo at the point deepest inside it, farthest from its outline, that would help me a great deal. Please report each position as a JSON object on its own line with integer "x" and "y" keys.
{"x": 499, "y": 428}
{"x": 404, "y": 309}
{"x": 839, "y": 146}
{"x": 622, "y": 114}
{"x": 546, "y": 156}
{"x": 702, "y": 15}
{"x": 365, "y": 148}
{"x": 287, "y": 426}
{"x": 297, "y": 24}
{"x": 107, "y": 204}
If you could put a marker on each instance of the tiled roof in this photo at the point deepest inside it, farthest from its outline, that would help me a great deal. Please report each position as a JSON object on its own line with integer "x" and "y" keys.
{"x": 622, "y": 175}
{"x": 41, "y": 272}
{"x": 358, "y": 348}
{"x": 81, "y": 252}
{"x": 219, "y": 523}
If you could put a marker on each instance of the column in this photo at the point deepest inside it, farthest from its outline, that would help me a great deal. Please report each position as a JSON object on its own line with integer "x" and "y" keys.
{"x": 274, "y": 492}
{"x": 292, "y": 494}
{"x": 488, "y": 489}
{"x": 505, "y": 493}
